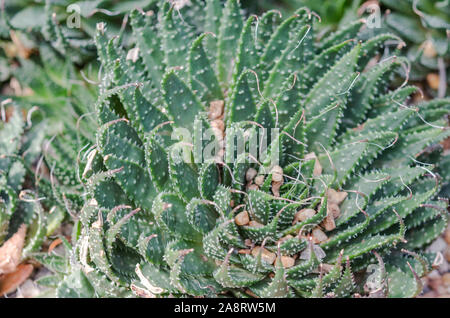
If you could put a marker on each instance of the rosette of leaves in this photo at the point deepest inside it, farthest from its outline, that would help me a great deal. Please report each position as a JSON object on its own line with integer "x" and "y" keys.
{"x": 346, "y": 211}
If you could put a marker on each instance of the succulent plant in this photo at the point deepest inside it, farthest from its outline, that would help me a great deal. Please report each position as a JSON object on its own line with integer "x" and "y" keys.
{"x": 35, "y": 192}
{"x": 59, "y": 99}
{"x": 331, "y": 12}
{"x": 23, "y": 222}
{"x": 423, "y": 25}
{"x": 337, "y": 204}
{"x": 68, "y": 25}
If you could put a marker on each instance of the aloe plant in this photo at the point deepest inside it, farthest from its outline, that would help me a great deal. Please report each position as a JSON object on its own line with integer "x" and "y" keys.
{"x": 422, "y": 24}
{"x": 21, "y": 203}
{"x": 75, "y": 21}
{"x": 341, "y": 206}
{"x": 332, "y": 12}
{"x": 59, "y": 98}
{"x": 34, "y": 195}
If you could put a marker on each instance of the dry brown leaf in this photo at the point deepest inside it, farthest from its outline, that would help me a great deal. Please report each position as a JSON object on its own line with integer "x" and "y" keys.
{"x": 10, "y": 282}
{"x": 251, "y": 294}
{"x": 23, "y": 51}
{"x": 141, "y": 292}
{"x": 53, "y": 245}
{"x": 11, "y": 251}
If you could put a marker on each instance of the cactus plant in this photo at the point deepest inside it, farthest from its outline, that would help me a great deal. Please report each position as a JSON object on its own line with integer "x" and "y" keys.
{"x": 340, "y": 206}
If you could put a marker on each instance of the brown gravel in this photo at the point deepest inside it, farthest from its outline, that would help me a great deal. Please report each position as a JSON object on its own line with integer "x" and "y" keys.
{"x": 437, "y": 283}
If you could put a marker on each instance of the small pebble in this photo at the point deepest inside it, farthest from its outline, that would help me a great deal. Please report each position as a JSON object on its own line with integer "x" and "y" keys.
{"x": 336, "y": 197}
{"x": 446, "y": 279}
{"x": 447, "y": 253}
{"x": 285, "y": 238}
{"x": 287, "y": 261}
{"x": 215, "y": 109}
{"x": 328, "y": 223}
{"x": 433, "y": 81}
{"x": 242, "y": 218}
{"x": 334, "y": 210}
{"x": 248, "y": 242}
{"x": 250, "y": 174}
{"x": 276, "y": 188}
{"x": 428, "y": 49}
{"x": 255, "y": 224}
{"x": 447, "y": 235}
{"x": 303, "y": 215}
{"x": 277, "y": 174}
{"x": 318, "y": 235}
{"x": 259, "y": 180}
{"x": 266, "y": 255}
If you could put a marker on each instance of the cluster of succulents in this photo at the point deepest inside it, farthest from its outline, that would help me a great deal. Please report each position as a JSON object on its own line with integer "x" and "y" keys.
{"x": 68, "y": 25}
{"x": 424, "y": 26}
{"x": 232, "y": 156}
{"x": 37, "y": 138}
{"x": 23, "y": 223}
{"x": 348, "y": 195}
